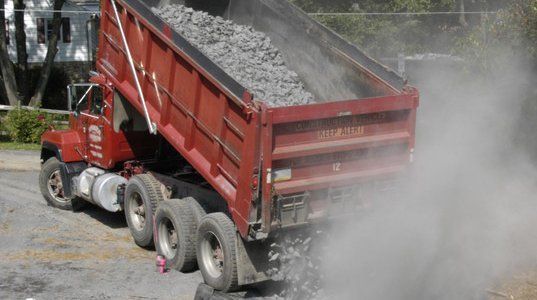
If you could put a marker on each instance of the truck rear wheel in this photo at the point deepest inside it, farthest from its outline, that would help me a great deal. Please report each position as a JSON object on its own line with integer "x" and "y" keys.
{"x": 51, "y": 186}
{"x": 175, "y": 234}
{"x": 197, "y": 210}
{"x": 142, "y": 196}
{"x": 217, "y": 253}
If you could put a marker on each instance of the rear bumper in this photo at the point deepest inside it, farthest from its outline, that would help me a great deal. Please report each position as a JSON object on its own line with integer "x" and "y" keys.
{"x": 293, "y": 210}
{"x": 336, "y": 180}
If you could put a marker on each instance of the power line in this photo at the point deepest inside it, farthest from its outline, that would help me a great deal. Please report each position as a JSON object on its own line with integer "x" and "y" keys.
{"x": 404, "y": 13}
{"x": 311, "y": 14}
{"x": 53, "y": 11}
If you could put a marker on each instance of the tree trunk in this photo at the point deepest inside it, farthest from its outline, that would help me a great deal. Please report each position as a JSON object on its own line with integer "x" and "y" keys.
{"x": 3, "y": 96}
{"x": 51, "y": 54}
{"x": 22, "y": 54}
{"x": 8, "y": 73}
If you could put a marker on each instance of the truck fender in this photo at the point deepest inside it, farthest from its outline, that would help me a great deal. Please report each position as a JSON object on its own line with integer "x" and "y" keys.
{"x": 49, "y": 150}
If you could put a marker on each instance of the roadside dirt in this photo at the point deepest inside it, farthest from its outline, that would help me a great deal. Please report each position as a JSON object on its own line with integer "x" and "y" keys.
{"x": 19, "y": 160}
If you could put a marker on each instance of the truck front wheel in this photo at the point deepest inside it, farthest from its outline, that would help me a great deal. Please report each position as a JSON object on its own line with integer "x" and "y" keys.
{"x": 142, "y": 196}
{"x": 217, "y": 252}
{"x": 51, "y": 186}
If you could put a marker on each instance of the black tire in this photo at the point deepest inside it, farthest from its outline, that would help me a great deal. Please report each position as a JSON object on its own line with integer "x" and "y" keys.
{"x": 198, "y": 212}
{"x": 175, "y": 236}
{"x": 50, "y": 184}
{"x": 196, "y": 208}
{"x": 142, "y": 196}
{"x": 217, "y": 233}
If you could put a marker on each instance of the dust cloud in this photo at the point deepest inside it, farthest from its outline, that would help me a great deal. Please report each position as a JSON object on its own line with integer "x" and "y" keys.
{"x": 466, "y": 216}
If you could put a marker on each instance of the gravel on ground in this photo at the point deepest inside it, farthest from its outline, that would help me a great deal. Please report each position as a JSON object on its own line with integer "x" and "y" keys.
{"x": 54, "y": 254}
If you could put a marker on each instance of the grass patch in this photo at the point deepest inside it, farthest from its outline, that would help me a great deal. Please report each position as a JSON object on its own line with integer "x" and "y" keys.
{"x": 18, "y": 146}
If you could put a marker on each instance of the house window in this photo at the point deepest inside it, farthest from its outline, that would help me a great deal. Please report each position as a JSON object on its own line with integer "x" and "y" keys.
{"x": 40, "y": 30}
{"x": 66, "y": 30}
{"x": 44, "y": 30}
{"x": 49, "y": 29}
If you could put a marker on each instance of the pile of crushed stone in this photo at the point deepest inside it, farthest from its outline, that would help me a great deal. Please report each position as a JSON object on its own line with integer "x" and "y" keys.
{"x": 295, "y": 258}
{"x": 245, "y": 54}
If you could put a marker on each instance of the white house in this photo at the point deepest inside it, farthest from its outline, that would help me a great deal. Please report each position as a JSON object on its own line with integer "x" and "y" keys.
{"x": 77, "y": 40}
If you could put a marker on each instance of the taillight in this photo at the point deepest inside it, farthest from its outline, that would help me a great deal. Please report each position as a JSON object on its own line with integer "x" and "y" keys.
{"x": 255, "y": 183}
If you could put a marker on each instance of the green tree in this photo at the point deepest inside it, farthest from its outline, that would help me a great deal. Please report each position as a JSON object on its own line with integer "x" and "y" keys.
{"x": 52, "y": 49}
{"x": 510, "y": 35}
{"x": 22, "y": 54}
{"x": 6, "y": 66}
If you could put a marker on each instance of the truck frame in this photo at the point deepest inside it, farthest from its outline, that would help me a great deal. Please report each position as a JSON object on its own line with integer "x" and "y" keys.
{"x": 201, "y": 169}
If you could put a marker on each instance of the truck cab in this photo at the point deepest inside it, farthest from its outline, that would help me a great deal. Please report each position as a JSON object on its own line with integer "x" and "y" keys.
{"x": 94, "y": 136}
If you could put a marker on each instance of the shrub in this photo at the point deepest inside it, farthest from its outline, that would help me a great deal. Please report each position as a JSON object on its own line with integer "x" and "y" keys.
{"x": 2, "y": 118}
{"x": 3, "y": 129}
{"x": 27, "y": 126}
{"x": 507, "y": 38}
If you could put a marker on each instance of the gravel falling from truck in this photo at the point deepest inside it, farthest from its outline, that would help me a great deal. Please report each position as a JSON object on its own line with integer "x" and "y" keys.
{"x": 245, "y": 54}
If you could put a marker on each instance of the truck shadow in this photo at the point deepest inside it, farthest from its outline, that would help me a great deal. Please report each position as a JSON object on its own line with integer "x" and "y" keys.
{"x": 110, "y": 219}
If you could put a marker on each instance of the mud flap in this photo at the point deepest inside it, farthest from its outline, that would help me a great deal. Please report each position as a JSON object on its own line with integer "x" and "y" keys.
{"x": 252, "y": 261}
{"x": 205, "y": 292}
{"x": 67, "y": 172}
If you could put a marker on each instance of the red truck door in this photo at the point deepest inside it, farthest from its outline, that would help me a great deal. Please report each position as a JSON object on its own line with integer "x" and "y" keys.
{"x": 95, "y": 131}
{"x": 89, "y": 108}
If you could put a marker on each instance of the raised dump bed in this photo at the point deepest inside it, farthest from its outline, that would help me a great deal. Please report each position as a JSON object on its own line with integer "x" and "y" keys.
{"x": 330, "y": 67}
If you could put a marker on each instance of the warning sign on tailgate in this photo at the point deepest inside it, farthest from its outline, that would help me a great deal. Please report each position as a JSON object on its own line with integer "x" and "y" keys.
{"x": 338, "y": 127}
{"x": 341, "y": 131}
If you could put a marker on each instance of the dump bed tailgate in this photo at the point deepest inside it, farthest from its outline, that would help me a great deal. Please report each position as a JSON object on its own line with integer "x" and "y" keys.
{"x": 335, "y": 144}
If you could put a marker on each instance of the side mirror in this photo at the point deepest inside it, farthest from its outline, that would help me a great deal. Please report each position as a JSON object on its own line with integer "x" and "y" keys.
{"x": 71, "y": 93}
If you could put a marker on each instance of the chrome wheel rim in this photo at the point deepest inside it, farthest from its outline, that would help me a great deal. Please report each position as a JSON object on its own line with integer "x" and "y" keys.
{"x": 55, "y": 186}
{"x": 137, "y": 211}
{"x": 168, "y": 238}
{"x": 212, "y": 254}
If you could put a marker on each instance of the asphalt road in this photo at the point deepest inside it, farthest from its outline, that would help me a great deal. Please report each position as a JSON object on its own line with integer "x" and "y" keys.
{"x": 46, "y": 253}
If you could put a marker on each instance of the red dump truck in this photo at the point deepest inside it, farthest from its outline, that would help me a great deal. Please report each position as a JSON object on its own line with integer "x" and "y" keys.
{"x": 201, "y": 169}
